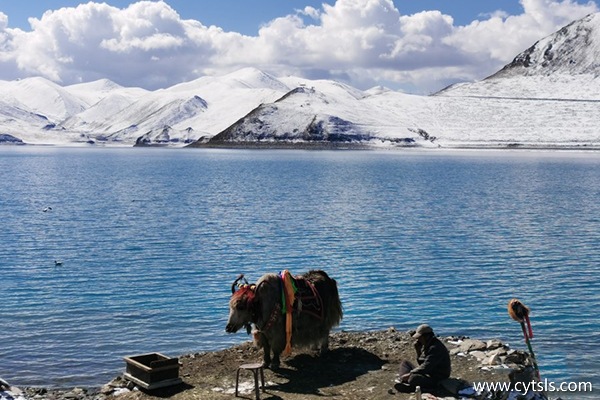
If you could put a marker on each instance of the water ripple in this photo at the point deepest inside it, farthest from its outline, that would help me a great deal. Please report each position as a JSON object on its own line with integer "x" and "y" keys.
{"x": 151, "y": 240}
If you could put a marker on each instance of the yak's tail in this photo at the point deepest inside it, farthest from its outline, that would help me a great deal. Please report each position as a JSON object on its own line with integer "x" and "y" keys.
{"x": 330, "y": 296}
{"x": 335, "y": 313}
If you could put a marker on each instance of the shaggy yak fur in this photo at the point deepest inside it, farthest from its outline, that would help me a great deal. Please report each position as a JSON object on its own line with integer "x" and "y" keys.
{"x": 316, "y": 311}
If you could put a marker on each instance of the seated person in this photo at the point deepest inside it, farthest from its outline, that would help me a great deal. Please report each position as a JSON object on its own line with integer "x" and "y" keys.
{"x": 434, "y": 363}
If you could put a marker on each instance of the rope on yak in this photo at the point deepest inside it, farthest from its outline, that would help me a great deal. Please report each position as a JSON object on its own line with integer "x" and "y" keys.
{"x": 288, "y": 297}
{"x": 520, "y": 313}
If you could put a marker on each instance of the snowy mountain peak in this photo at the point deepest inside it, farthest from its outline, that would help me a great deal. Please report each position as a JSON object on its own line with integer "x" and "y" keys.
{"x": 253, "y": 78}
{"x": 574, "y": 49}
{"x": 564, "y": 65}
{"x": 44, "y": 97}
{"x": 93, "y": 92}
{"x": 377, "y": 90}
{"x": 101, "y": 85}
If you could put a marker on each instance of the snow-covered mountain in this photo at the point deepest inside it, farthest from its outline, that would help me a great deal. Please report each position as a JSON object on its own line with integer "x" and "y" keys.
{"x": 575, "y": 49}
{"x": 297, "y": 116}
{"x": 179, "y": 114}
{"x": 549, "y": 95}
{"x": 564, "y": 65}
{"x": 43, "y": 97}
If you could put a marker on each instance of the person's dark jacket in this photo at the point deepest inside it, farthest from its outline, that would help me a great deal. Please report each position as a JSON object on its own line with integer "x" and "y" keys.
{"x": 434, "y": 360}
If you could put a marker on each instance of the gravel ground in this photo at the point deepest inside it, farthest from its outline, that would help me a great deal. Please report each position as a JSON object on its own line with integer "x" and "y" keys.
{"x": 359, "y": 365}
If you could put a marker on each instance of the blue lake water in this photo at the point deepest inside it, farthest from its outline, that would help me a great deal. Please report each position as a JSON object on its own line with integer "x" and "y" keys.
{"x": 151, "y": 239}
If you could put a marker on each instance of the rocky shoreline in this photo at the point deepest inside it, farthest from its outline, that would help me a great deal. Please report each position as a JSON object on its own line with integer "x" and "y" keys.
{"x": 359, "y": 365}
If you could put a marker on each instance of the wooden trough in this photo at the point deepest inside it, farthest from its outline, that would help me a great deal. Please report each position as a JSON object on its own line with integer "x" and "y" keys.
{"x": 152, "y": 371}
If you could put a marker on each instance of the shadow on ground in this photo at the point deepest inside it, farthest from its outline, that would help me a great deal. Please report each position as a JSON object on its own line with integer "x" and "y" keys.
{"x": 307, "y": 374}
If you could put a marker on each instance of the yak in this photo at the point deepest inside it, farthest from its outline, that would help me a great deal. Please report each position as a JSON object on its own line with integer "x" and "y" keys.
{"x": 306, "y": 319}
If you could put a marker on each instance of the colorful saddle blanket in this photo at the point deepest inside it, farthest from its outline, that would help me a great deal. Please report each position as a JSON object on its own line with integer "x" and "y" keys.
{"x": 308, "y": 299}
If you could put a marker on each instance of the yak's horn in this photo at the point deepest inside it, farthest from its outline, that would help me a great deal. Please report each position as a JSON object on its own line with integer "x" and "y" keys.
{"x": 239, "y": 278}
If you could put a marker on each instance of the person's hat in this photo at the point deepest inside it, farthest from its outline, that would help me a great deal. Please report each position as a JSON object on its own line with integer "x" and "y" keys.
{"x": 422, "y": 330}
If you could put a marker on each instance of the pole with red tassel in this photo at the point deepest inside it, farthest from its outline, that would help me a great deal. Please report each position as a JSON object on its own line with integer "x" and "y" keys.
{"x": 520, "y": 313}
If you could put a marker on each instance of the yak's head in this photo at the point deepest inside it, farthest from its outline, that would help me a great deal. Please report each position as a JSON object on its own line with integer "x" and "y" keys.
{"x": 241, "y": 306}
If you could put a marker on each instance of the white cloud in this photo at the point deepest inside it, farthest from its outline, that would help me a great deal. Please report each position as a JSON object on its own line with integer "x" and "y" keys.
{"x": 364, "y": 41}
{"x": 310, "y": 12}
{"x": 8, "y": 68}
{"x": 3, "y": 21}
{"x": 500, "y": 38}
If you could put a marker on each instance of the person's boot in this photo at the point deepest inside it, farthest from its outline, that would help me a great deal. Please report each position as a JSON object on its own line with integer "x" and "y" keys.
{"x": 404, "y": 387}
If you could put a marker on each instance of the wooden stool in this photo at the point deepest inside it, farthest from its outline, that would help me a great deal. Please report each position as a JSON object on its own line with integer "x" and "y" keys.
{"x": 255, "y": 368}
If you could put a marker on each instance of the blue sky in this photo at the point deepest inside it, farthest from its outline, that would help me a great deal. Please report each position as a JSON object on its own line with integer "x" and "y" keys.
{"x": 415, "y": 46}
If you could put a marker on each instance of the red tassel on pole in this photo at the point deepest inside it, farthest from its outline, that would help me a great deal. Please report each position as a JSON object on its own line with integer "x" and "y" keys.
{"x": 529, "y": 329}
